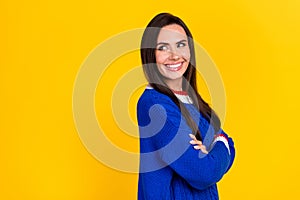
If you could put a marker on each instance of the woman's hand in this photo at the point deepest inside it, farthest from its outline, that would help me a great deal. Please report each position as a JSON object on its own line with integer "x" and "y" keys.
{"x": 197, "y": 144}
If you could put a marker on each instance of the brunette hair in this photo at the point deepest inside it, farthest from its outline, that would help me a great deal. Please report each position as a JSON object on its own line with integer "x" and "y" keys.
{"x": 148, "y": 47}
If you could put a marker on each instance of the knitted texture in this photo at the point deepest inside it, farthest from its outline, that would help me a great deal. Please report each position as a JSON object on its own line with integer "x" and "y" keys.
{"x": 170, "y": 168}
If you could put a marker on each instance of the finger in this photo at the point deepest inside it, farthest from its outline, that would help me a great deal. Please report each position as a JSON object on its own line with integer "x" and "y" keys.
{"x": 192, "y": 142}
{"x": 197, "y": 147}
{"x": 202, "y": 148}
{"x": 204, "y": 151}
{"x": 192, "y": 136}
{"x": 195, "y": 142}
{"x": 198, "y": 142}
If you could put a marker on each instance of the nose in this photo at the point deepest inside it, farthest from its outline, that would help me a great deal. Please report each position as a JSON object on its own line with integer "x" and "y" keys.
{"x": 174, "y": 55}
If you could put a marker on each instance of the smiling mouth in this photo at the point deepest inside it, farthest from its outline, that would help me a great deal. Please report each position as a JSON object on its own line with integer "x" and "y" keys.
{"x": 174, "y": 67}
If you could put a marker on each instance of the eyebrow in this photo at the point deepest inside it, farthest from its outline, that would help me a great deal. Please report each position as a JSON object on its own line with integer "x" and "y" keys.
{"x": 165, "y": 43}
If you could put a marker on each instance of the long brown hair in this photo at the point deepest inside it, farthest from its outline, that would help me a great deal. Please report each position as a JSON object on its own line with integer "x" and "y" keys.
{"x": 189, "y": 84}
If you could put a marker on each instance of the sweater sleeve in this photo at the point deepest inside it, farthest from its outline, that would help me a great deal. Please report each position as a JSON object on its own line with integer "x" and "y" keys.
{"x": 174, "y": 149}
{"x": 231, "y": 148}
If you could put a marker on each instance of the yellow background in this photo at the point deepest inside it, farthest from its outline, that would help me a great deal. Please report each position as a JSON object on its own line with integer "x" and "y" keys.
{"x": 255, "y": 45}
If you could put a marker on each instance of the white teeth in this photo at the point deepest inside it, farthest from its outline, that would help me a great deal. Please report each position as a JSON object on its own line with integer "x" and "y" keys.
{"x": 174, "y": 66}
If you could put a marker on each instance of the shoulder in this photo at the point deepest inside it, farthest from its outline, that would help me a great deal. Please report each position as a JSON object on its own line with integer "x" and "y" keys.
{"x": 152, "y": 97}
{"x": 155, "y": 106}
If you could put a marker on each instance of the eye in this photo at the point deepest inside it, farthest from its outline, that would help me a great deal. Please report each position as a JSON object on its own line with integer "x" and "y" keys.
{"x": 162, "y": 48}
{"x": 181, "y": 44}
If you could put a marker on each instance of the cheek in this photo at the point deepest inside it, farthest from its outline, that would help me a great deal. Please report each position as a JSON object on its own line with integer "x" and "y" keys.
{"x": 160, "y": 57}
{"x": 186, "y": 54}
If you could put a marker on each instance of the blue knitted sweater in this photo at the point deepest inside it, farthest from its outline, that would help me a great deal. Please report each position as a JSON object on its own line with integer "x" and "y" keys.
{"x": 170, "y": 168}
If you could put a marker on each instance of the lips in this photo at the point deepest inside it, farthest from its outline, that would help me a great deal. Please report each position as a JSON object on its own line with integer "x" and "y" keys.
{"x": 174, "y": 66}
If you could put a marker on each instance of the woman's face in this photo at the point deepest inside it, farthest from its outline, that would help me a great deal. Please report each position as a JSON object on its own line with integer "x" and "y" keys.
{"x": 172, "y": 52}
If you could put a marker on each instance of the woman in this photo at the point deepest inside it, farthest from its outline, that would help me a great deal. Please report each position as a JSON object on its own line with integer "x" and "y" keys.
{"x": 184, "y": 152}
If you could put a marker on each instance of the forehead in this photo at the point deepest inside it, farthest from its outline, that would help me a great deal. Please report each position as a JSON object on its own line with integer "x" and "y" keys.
{"x": 171, "y": 33}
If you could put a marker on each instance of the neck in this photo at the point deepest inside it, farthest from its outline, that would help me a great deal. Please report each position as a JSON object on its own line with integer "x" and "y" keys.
{"x": 175, "y": 85}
